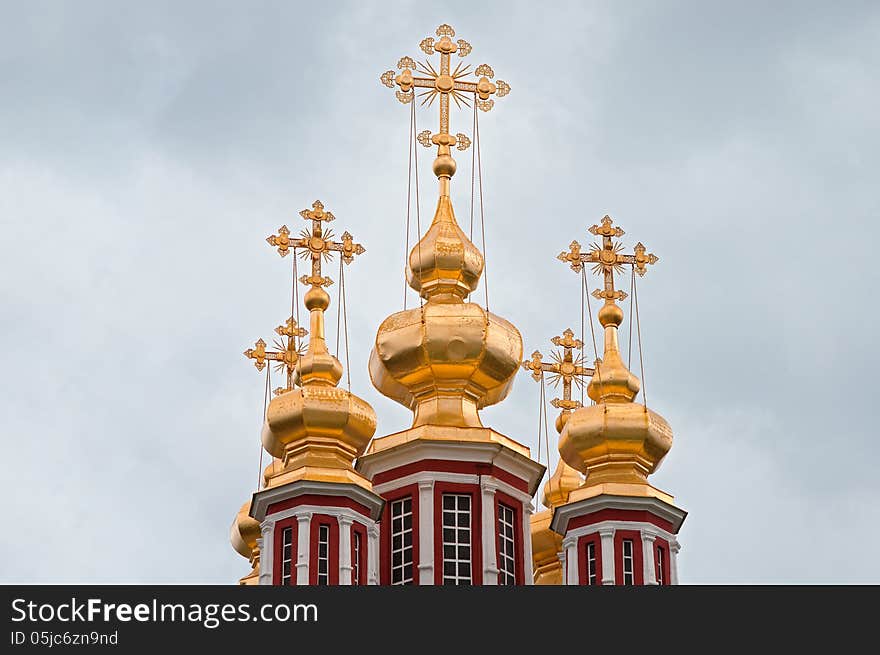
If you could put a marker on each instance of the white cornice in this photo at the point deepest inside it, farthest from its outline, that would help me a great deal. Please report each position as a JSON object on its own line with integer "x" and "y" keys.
{"x": 426, "y": 478}
{"x": 563, "y": 514}
{"x": 431, "y": 477}
{"x": 304, "y": 514}
{"x": 610, "y": 527}
{"x": 456, "y": 451}
{"x": 263, "y": 499}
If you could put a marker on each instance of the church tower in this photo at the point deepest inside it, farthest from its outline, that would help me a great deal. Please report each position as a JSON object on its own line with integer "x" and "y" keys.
{"x": 458, "y": 493}
{"x": 317, "y": 516}
{"x": 616, "y": 527}
{"x": 567, "y": 369}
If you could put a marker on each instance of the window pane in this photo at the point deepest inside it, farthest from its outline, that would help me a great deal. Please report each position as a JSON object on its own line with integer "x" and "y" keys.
{"x": 401, "y": 542}
{"x": 506, "y": 545}
{"x": 456, "y": 539}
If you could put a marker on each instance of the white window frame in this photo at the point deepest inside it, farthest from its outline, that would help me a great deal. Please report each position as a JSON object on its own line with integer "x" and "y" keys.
{"x": 287, "y": 556}
{"x": 323, "y": 577}
{"x": 658, "y": 558}
{"x": 401, "y": 509}
{"x": 592, "y": 576}
{"x": 460, "y": 543}
{"x": 355, "y": 557}
{"x": 506, "y": 545}
{"x": 628, "y": 559}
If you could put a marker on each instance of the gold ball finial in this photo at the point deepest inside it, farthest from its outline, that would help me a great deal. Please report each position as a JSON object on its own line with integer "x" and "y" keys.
{"x": 317, "y": 298}
{"x": 610, "y": 314}
{"x": 444, "y": 166}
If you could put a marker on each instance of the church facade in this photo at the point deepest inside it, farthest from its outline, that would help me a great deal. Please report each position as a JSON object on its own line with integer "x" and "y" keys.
{"x": 449, "y": 500}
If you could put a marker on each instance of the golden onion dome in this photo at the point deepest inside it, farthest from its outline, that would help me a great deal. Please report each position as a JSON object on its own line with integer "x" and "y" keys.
{"x": 449, "y": 358}
{"x": 445, "y": 361}
{"x": 546, "y": 546}
{"x": 615, "y": 440}
{"x": 445, "y": 265}
{"x": 318, "y": 429}
{"x": 564, "y": 480}
{"x": 244, "y": 533}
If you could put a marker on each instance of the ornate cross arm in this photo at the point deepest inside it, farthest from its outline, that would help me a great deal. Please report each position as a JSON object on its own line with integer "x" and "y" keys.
{"x": 607, "y": 258}
{"x": 565, "y": 368}
{"x": 316, "y": 243}
{"x": 285, "y": 356}
{"x": 446, "y": 83}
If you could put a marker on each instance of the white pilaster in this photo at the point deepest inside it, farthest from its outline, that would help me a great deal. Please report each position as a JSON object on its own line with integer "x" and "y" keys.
{"x": 490, "y": 557}
{"x": 561, "y": 556}
{"x": 304, "y": 521}
{"x": 607, "y": 537}
{"x": 527, "y": 543}
{"x": 267, "y": 529}
{"x": 345, "y": 567}
{"x": 674, "y": 547}
{"x": 649, "y": 572}
{"x": 373, "y": 555}
{"x": 569, "y": 545}
{"x": 426, "y": 532}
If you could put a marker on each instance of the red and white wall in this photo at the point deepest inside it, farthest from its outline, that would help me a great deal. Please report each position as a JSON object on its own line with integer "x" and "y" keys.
{"x": 318, "y": 533}
{"x": 619, "y": 540}
{"x": 455, "y": 513}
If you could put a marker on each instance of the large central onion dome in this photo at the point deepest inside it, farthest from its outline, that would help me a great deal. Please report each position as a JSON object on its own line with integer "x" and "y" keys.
{"x": 449, "y": 358}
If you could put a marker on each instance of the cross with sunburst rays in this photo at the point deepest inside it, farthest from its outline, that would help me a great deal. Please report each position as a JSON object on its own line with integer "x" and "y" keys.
{"x": 566, "y": 367}
{"x": 286, "y": 355}
{"x": 445, "y": 84}
{"x": 317, "y": 244}
{"x": 607, "y": 258}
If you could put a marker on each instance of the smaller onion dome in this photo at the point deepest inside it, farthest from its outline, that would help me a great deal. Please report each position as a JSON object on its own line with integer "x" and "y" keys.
{"x": 444, "y": 265}
{"x": 318, "y": 429}
{"x": 244, "y": 533}
{"x": 615, "y": 440}
{"x": 546, "y": 546}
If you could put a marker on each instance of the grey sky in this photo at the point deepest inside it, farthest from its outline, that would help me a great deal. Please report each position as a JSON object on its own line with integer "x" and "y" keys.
{"x": 148, "y": 149}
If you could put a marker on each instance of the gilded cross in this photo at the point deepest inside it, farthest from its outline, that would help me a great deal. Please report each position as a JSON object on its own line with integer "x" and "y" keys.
{"x": 317, "y": 243}
{"x": 565, "y": 367}
{"x": 607, "y": 258}
{"x": 286, "y": 355}
{"x": 445, "y": 83}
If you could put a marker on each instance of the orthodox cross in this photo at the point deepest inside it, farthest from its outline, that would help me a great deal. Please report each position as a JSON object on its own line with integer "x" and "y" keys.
{"x": 446, "y": 84}
{"x": 286, "y": 354}
{"x": 607, "y": 259}
{"x": 565, "y": 367}
{"x": 316, "y": 243}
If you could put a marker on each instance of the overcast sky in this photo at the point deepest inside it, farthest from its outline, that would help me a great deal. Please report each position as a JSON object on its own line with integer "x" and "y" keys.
{"x": 149, "y": 148}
